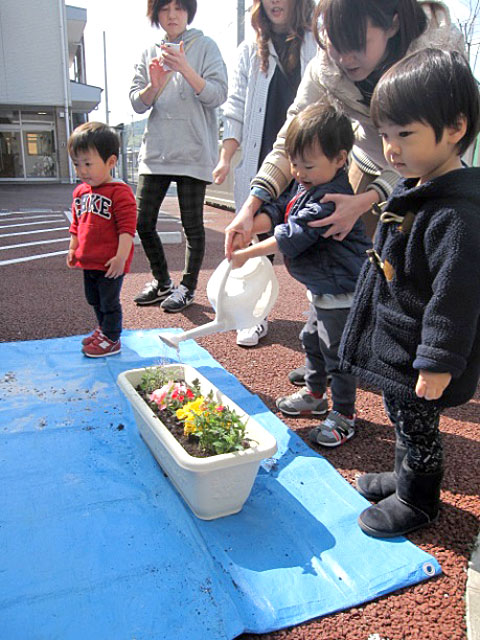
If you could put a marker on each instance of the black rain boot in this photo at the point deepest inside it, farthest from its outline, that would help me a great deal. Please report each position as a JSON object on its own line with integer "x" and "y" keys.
{"x": 377, "y": 486}
{"x": 414, "y": 505}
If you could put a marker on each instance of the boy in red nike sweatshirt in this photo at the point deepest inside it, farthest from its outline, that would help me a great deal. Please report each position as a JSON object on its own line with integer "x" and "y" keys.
{"x": 104, "y": 216}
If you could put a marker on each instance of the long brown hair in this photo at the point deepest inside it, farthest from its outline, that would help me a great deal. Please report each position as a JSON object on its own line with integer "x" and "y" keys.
{"x": 302, "y": 12}
{"x": 345, "y": 22}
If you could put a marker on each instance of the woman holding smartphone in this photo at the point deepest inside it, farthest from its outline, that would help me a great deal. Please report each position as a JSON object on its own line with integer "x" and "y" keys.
{"x": 182, "y": 86}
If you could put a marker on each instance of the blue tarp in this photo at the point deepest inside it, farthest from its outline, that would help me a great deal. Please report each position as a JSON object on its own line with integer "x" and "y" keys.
{"x": 95, "y": 543}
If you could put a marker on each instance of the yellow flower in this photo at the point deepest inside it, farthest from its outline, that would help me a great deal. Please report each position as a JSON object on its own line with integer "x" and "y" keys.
{"x": 189, "y": 427}
{"x": 188, "y": 413}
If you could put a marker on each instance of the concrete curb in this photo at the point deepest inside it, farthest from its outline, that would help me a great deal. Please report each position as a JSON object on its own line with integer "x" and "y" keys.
{"x": 472, "y": 596}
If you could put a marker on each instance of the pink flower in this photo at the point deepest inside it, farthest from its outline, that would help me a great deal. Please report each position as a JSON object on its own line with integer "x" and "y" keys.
{"x": 159, "y": 395}
{"x": 171, "y": 395}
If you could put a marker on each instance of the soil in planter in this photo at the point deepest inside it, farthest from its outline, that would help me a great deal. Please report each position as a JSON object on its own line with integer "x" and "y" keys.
{"x": 189, "y": 443}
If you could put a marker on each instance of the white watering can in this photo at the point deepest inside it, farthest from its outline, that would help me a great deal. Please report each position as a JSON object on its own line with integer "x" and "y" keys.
{"x": 240, "y": 297}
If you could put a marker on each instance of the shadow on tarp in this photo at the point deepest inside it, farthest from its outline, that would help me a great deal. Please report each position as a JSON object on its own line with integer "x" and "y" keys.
{"x": 96, "y": 543}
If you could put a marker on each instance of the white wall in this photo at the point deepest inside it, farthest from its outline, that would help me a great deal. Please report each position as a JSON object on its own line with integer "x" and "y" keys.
{"x": 31, "y": 70}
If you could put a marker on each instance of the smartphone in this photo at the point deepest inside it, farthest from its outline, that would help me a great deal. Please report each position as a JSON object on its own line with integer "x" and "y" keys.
{"x": 170, "y": 45}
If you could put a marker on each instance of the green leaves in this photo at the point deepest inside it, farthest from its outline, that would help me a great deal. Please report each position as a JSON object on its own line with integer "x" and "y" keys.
{"x": 217, "y": 428}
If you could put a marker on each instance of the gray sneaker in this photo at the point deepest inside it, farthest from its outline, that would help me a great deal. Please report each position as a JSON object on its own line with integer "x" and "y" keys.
{"x": 333, "y": 431}
{"x": 297, "y": 376}
{"x": 302, "y": 403}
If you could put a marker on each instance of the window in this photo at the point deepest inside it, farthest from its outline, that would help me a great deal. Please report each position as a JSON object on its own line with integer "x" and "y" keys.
{"x": 40, "y": 157}
{"x": 9, "y": 116}
{"x": 39, "y": 143}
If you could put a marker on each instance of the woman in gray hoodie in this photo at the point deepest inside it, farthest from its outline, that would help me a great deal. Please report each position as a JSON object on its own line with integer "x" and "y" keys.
{"x": 181, "y": 80}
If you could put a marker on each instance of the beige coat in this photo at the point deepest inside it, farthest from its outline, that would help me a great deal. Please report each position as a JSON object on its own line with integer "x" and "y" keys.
{"x": 324, "y": 78}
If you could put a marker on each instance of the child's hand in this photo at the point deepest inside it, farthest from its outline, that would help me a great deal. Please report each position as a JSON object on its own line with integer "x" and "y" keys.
{"x": 70, "y": 258}
{"x": 116, "y": 267}
{"x": 238, "y": 259}
{"x": 432, "y": 385}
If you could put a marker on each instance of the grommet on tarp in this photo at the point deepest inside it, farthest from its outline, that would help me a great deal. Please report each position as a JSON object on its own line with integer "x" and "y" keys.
{"x": 268, "y": 464}
{"x": 429, "y": 569}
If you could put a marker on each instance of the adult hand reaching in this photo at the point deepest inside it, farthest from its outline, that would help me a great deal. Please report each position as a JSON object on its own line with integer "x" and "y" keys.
{"x": 348, "y": 210}
{"x": 239, "y": 232}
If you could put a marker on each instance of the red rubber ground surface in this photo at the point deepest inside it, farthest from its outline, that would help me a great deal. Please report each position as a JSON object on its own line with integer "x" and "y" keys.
{"x": 42, "y": 299}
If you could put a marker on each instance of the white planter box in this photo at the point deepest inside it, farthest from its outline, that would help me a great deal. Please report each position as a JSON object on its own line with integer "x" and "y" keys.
{"x": 212, "y": 487}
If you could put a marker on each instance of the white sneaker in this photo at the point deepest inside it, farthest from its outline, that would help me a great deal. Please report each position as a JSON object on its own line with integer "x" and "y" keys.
{"x": 250, "y": 337}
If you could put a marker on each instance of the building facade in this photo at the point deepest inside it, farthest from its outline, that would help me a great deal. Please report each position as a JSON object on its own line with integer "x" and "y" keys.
{"x": 43, "y": 89}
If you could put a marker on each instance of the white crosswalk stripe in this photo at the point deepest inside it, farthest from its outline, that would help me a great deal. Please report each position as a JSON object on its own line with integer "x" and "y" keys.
{"x": 29, "y": 258}
{"x": 25, "y": 223}
{"x": 29, "y": 221}
{"x": 31, "y": 244}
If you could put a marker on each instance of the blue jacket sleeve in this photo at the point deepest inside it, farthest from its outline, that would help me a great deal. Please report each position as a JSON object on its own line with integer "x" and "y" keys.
{"x": 276, "y": 208}
{"x": 295, "y": 236}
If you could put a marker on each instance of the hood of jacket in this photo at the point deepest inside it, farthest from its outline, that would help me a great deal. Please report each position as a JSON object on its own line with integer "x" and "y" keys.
{"x": 461, "y": 186}
{"x": 185, "y": 37}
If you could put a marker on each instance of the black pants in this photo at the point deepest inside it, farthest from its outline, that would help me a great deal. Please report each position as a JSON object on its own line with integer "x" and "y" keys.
{"x": 416, "y": 426}
{"x": 321, "y": 338}
{"x": 104, "y": 296}
{"x": 151, "y": 191}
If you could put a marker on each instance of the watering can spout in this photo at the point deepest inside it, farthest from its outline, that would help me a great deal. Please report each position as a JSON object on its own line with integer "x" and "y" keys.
{"x": 174, "y": 339}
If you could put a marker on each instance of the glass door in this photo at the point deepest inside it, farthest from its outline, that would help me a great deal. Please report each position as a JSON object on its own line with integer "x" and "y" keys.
{"x": 40, "y": 156}
{"x": 11, "y": 163}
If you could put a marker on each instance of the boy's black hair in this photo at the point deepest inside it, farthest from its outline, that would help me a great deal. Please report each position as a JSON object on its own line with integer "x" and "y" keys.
{"x": 94, "y": 135}
{"x": 154, "y": 6}
{"x": 431, "y": 86}
{"x": 345, "y": 22}
{"x": 323, "y": 124}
